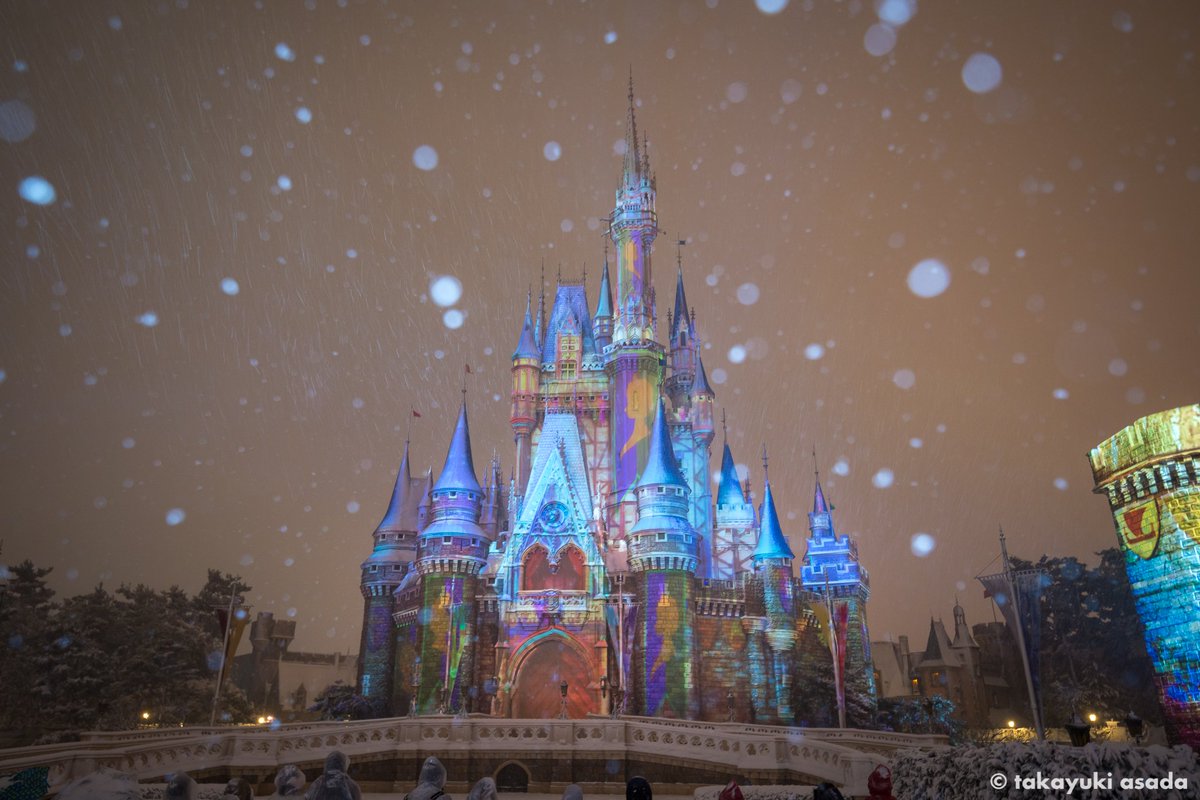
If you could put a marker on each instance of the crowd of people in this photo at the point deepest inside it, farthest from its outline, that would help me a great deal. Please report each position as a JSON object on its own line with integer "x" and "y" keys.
{"x": 335, "y": 783}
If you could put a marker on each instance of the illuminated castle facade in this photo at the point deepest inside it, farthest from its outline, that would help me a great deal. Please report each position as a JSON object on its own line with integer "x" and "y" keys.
{"x": 604, "y": 570}
{"x": 1150, "y": 474}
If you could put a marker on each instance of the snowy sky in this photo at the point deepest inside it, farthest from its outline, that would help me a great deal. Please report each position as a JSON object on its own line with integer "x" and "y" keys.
{"x": 222, "y": 221}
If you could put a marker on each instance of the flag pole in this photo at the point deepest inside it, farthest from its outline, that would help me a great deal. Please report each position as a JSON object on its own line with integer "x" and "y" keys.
{"x": 1034, "y": 706}
{"x": 212, "y": 718}
{"x": 835, "y": 649}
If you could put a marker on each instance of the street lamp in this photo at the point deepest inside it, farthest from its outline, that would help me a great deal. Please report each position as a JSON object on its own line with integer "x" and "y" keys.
{"x": 1092, "y": 718}
{"x": 416, "y": 686}
{"x": 730, "y": 700}
{"x": 562, "y": 690}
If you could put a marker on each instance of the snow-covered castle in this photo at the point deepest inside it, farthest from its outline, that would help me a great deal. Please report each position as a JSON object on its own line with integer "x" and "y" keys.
{"x": 603, "y": 574}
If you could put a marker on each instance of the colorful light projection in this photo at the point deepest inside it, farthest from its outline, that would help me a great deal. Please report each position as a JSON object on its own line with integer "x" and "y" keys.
{"x": 1150, "y": 472}
{"x": 666, "y": 645}
{"x": 447, "y": 609}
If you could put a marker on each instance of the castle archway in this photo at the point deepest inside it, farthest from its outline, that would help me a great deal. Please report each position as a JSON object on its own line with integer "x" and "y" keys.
{"x": 540, "y": 671}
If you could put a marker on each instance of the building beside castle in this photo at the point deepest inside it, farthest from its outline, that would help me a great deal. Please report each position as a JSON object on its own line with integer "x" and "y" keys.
{"x": 604, "y": 570}
{"x": 973, "y": 667}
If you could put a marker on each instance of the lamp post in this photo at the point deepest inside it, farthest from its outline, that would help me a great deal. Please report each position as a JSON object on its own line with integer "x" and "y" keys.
{"x": 603, "y": 693}
{"x": 730, "y": 700}
{"x": 562, "y": 690}
{"x": 416, "y": 688}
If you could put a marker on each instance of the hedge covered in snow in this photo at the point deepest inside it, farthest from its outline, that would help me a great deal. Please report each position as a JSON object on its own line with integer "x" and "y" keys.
{"x": 972, "y": 772}
{"x": 758, "y": 792}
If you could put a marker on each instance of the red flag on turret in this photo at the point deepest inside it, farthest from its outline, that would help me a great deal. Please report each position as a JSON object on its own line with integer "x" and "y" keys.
{"x": 416, "y": 413}
{"x": 468, "y": 368}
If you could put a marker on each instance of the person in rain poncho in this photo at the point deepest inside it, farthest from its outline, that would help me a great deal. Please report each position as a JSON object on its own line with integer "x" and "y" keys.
{"x": 638, "y": 788}
{"x": 484, "y": 789}
{"x": 430, "y": 782}
{"x": 289, "y": 781}
{"x": 334, "y": 783}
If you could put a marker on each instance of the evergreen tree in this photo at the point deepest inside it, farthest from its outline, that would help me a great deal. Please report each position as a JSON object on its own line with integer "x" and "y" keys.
{"x": 1093, "y": 651}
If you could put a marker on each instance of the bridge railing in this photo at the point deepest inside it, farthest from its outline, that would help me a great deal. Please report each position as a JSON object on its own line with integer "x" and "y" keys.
{"x": 845, "y": 757}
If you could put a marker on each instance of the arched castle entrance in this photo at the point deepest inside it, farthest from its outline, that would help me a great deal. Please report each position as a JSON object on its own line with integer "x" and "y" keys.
{"x": 541, "y": 664}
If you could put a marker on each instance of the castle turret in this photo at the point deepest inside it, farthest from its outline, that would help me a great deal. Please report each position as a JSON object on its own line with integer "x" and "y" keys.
{"x": 526, "y": 374}
{"x": 773, "y": 565}
{"x": 663, "y": 552}
{"x": 733, "y": 530}
{"x": 395, "y": 547}
{"x": 453, "y": 551}
{"x": 682, "y": 347}
{"x": 831, "y": 568}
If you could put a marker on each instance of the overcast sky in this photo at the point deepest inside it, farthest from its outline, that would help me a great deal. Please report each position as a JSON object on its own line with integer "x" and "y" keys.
{"x": 952, "y": 246}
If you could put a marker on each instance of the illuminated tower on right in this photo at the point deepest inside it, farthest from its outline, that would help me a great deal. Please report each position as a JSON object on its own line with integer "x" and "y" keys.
{"x": 1150, "y": 472}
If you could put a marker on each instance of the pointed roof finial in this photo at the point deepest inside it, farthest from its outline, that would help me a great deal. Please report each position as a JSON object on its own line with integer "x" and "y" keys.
{"x": 724, "y": 430}
{"x": 766, "y": 477}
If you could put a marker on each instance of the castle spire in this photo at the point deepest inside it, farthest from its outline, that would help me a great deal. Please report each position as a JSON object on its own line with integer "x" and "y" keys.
{"x": 661, "y": 466}
{"x": 540, "y": 321}
{"x": 633, "y": 161}
{"x": 700, "y": 385}
{"x": 526, "y": 345}
{"x": 680, "y": 319}
{"x": 392, "y": 517}
{"x": 729, "y": 490}
{"x": 459, "y": 469}
{"x": 772, "y": 544}
{"x": 604, "y": 303}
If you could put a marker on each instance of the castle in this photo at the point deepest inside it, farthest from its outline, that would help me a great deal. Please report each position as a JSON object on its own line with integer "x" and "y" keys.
{"x": 603, "y": 575}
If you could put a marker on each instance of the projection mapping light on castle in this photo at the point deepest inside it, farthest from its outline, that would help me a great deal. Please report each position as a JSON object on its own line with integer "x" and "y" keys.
{"x": 604, "y": 571}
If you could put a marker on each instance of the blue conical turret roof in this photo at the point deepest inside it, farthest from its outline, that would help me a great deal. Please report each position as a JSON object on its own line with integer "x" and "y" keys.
{"x": 729, "y": 490}
{"x": 527, "y": 345}
{"x": 700, "y": 383}
{"x": 395, "y": 510}
{"x": 819, "y": 504}
{"x": 661, "y": 464}
{"x": 604, "y": 304}
{"x": 771, "y": 541}
{"x": 459, "y": 470}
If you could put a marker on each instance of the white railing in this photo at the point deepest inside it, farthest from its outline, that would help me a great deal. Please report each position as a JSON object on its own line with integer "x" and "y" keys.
{"x": 845, "y": 757}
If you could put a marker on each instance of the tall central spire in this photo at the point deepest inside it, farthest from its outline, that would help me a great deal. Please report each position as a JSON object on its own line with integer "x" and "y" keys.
{"x": 633, "y": 163}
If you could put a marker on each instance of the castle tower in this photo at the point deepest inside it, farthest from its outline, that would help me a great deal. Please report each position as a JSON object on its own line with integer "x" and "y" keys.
{"x": 733, "y": 532}
{"x": 453, "y": 551}
{"x": 1150, "y": 473}
{"x": 634, "y": 361}
{"x": 392, "y": 556}
{"x": 526, "y": 373}
{"x": 832, "y": 569}
{"x": 773, "y": 566}
{"x": 663, "y": 554}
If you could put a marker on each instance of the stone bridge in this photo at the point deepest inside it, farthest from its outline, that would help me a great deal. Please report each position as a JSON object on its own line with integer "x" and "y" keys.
{"x": 599, "y": 753}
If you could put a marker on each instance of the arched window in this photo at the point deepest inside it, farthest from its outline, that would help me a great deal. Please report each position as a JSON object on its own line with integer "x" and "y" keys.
{"x": 570, "y": 574}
